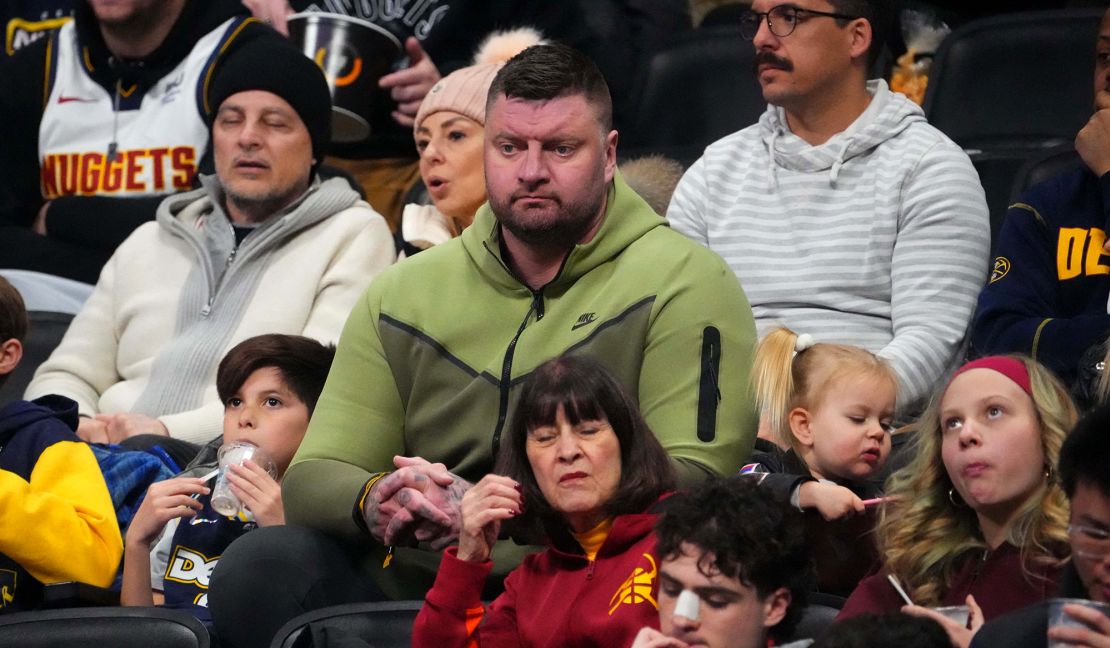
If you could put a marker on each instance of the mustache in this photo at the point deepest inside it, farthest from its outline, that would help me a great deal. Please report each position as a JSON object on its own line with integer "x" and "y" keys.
{"x": 769, "y": 58}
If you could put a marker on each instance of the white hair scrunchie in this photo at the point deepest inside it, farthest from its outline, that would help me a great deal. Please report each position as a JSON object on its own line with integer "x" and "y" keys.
{"x": 804, "y": 341}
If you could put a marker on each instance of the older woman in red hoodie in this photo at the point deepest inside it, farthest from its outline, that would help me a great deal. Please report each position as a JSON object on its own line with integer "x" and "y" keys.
{"x": 581, "y": 468}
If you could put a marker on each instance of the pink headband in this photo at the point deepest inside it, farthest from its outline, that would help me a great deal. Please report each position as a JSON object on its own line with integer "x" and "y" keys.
{"x": 1012, "y": 368}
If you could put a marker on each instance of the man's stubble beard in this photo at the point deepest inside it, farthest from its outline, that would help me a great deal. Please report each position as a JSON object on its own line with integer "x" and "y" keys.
{"x": 260, "y": 207}
{"x": 565, "y": 228}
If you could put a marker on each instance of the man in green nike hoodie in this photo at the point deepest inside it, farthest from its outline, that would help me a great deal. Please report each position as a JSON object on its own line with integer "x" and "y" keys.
{"x": 565, "y": 258}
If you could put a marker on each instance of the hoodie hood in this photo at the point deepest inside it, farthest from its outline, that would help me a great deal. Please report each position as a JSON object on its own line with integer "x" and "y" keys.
{"x": 198, "y": 216}
{"x": 21, "y": 415}
{"x": 627, "y": 218}
{"x": 887, "y": 115}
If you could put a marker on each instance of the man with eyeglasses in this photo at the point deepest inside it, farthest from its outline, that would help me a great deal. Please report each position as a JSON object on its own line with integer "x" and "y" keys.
{"x": 843, "y": 213}
{"x": 1085, "y": 477}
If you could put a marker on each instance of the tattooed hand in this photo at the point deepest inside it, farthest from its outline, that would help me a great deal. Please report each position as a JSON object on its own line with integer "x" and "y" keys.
{"x": 418, "y": 502}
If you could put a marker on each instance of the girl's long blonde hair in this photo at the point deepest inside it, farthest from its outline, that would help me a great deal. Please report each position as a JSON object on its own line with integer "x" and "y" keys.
{"x": 785, "y": 379}
{"x": 924, "y": 535}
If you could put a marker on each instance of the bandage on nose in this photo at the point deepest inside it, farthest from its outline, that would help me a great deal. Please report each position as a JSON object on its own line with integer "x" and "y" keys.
{"x": 687, "y": 605}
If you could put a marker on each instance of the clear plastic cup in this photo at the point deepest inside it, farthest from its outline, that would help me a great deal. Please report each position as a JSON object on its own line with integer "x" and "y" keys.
{"x": 957, "y": 613}
{"x": 1057, "y": 617}
{"x": 224, "y": 500}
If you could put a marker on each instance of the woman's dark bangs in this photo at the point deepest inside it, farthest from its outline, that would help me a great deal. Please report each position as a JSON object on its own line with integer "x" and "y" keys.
{"x": 575, "y": 397}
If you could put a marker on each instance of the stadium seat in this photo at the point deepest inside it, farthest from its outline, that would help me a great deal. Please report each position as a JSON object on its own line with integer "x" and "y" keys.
{"x": 697, "y": 89}
{"x": 1042, "y": 167}
{"x": 381, "y": 625}
{"x": 1020, "y": 80}
{"x": 43, "y": 335}
{"x": 133, "y": 627}
{"x": 996, "y": 173}
{"x": 815, "y": 618}
{"x": 1009, "y": 87}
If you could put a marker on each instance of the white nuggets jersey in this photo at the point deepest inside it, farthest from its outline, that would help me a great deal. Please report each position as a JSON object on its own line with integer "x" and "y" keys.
{"x": 159, "y": 136}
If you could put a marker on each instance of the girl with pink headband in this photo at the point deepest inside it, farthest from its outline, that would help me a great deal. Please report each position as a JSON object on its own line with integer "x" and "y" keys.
{"x": 977, "y": 518}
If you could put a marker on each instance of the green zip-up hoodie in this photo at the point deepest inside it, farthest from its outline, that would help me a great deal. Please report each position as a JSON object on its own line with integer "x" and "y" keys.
{"x": 431, "y": 360}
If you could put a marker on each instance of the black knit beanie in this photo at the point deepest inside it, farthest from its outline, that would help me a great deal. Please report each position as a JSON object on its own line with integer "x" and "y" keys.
{"x": 273, "y": 64}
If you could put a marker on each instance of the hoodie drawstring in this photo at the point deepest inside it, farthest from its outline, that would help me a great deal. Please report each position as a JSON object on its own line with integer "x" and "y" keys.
{"x": 772, "y": 175}
{"x": 834, "y": 172}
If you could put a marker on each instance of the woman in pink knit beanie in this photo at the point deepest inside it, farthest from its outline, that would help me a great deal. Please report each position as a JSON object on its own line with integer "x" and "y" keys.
{"x": 449, "y": 137}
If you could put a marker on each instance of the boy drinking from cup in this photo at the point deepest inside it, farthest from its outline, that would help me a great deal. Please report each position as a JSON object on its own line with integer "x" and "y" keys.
{"x": 269, "y": 385}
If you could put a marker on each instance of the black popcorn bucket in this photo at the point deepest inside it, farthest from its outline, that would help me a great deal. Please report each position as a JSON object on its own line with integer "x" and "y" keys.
{"x": 353, "y": 54}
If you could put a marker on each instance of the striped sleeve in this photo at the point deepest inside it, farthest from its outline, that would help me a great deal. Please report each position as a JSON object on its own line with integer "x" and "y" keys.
{"x": 686, "y": 213}
{"x": 938, "y": 267}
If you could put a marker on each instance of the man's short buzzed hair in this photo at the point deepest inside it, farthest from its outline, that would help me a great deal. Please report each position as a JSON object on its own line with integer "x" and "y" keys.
{"x": 743, "y": 532}
{"x": 549, "y": 71}
{"x": 877, "y": 12}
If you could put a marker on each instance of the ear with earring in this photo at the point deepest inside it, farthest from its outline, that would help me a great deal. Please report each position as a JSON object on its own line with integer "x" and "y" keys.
{"x": 952, "y": 497}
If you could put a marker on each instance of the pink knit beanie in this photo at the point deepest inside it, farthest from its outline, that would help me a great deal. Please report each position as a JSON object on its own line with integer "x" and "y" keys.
{"x": 464, "y": 91}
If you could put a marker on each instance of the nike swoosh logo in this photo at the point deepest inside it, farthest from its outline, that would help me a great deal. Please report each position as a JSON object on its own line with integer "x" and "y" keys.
{"x": 64, "y": 99}
{"x": 583, "y": 322}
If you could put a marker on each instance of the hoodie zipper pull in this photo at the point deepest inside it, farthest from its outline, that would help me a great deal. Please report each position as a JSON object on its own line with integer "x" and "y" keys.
{"x": 113, "y": 146}
{"x": 537, "y": 304}
{"x": 227, "y": 264}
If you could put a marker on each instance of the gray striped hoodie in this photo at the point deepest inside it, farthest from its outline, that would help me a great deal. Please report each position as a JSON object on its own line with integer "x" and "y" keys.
{"x": 879, "y": 237}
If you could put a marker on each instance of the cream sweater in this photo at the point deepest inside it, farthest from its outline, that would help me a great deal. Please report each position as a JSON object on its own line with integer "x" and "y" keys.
{"x": 302, "y": 275}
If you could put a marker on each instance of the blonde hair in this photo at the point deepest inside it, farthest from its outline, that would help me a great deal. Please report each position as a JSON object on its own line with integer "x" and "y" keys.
{"x": 785, "y": 379}
{"x": 924, "y": 535}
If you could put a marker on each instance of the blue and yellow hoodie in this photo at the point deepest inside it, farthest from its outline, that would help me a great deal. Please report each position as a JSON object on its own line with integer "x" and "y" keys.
{"x": 57, "y": 522}
{"x": 1047, "y": 295}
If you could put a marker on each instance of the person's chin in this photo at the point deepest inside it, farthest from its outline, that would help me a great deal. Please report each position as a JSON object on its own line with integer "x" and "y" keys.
{"x": 1100, "y": 592}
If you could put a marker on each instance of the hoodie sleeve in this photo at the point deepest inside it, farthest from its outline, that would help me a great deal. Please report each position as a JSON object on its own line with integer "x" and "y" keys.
{"x": 84, "y": 363}
{"x": 686, "y": 213}
{"x": 366, "y": 254}
{"x": 1022, "y": 309}
{"x": 938, "y": 266}
{"x": 452, "y": 614}
{"x": 59, "y": 524}
{"x": 693, "y": 390}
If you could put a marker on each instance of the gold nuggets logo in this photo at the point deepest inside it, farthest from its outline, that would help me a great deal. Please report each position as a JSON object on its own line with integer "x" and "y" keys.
{"x": 637, "y": 588}
{"x": 342, "y": 68}
{"x": 1001, "y": 268}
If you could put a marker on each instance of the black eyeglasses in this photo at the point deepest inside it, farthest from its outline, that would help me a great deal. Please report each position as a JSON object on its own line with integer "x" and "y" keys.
{"x": 1089, "y": 542}
{"x": 782, "y": 20}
